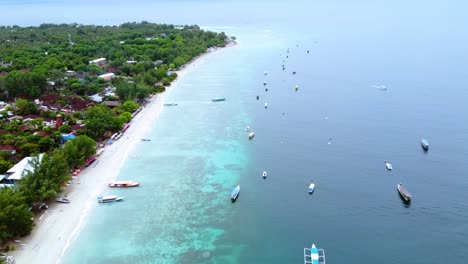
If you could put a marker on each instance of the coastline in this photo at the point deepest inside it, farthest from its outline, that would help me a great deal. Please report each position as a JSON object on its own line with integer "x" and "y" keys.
{"x": 57, "y": 227}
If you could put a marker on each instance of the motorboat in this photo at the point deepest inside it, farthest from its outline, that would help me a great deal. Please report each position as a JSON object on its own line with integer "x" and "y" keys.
{"x": 311, "y": 187}
{"x": 109, "y": 199}
{"x": 265, "y": 73}
{"x": 266, "y": 105}
{"x": 388, "y": 165}
{"x": 258, "y": 97}
{"x": 264, "y": 174}
{"x": 218, "y": 99}
{"x": 62, "y": 200}
{"x": 170, "y": 104}
{"x": 124, "y": 184}
{"x": 251, "y": 135}
{"x": 297, "y": 87}
{"x": 235, "y": 193}
{"x": 294, "y": 72}
{"x": 264, "y": 83}
{"x": 247, "y": 129}
{"x": 404, "y": 194}
{"x": 425, "y": 144}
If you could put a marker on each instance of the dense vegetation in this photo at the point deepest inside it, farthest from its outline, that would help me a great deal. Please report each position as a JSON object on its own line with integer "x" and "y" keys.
{"x": 47, "y": 81}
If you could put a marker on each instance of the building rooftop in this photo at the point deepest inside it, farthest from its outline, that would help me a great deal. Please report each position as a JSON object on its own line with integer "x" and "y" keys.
{"x": 21, "y": 168}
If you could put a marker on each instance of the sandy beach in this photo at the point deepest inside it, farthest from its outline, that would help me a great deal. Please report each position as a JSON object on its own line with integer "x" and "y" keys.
{"x": 57, "y": 227}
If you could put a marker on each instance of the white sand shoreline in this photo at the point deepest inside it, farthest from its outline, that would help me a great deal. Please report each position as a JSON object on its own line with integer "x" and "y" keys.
{"x": 58, "y": 227}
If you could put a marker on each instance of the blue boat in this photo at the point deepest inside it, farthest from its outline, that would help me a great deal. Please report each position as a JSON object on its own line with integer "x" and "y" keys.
{"x": 218, "y": 99}
{"x": 424, "y": 144}
{"x": 235, "y": 193}
{"x": 314, "y": 255}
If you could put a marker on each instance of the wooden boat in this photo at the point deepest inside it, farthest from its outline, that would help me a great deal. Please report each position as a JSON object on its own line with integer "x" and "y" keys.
{"x": 388, "y": 165}
{"x": 63, "y": 200}
{"x": 170, "y": 104}
{"x": 124, "y": 184}
{"x": 218, "y": 99}
{"x": 311, "y": 187}
{"x": 425, "y": 144}
{"x": 264, "y": 174}
{"x": 235, "y": 193}
{"x": 404, "y": 194}
{"x": 251, "y": 135}
{"x": 109, "y": 199}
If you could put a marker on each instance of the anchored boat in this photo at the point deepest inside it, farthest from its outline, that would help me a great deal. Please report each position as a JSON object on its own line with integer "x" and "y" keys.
{"x": 404, "y": 194}
{"x": 218, "y": 99}
{"x": 124, "y": 184}
{"x": 425, "y": 144}
{"x": 311, "y": 187}
{"x": 264, "y": 174}
{"x": 170, "y": 104}
{"x": 388, "y": 165}
{"x": 314, "y": 255}
{"x": 109, "y": 199}
{"x": 251, "y": 135}
{"x": 235, "y": 193}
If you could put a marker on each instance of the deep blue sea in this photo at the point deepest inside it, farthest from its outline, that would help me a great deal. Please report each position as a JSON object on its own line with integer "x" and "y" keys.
{"x": 199, "y": 151}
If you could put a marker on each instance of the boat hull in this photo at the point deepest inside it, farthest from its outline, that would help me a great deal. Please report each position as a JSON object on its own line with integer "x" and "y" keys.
{"x": 425, "y": 144}
{"x": 235, "y": 193}
{"x": 404, "y": 194}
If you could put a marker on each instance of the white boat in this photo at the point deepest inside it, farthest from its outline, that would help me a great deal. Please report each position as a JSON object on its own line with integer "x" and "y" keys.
{"x": 265, "y": 73}
{"x": 314, "y": 255}
{"x": 235, "y": 193}
{"x": 124, "y": 184}
{"x": 109, "y": 199}
{"x": 311, "y": 187}
{"x": 63, "y": 200}
{"x": 251, "y": 135}
{"x": 264, "y": 83}
{"x": 170, "y": 104}
{"x": 266, "y": 105}
{"x": 297, "y": 87}
{"x": 388, "y": 165}
{"x": 264, "y": 174}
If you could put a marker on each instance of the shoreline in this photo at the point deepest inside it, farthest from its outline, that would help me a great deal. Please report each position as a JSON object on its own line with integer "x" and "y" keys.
{"x": 57, "y": 228}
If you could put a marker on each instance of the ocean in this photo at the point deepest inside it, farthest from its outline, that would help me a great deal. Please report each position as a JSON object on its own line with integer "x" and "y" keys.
{"x": 336, "y": 130}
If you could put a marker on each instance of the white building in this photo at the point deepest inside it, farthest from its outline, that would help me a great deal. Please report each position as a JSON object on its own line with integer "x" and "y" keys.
{"x": 99, "y": 61}
{"x": 20, "y": 169}
{"x": 107, "y": 76}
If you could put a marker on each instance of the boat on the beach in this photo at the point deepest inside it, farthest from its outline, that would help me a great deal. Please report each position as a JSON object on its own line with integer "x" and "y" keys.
{"x": 170, "y": 104}
{"x": 251, "y": 135}
{"x": 264, "y": 174}
{"x": 425, "y": 144}
{"x": 235, "y": 193}
{"x": 62, "y": 200}
{"x": 124, "y": 184}
{"x": 109, "y": 198}
{"x": 90, "y": 161}
{"x": 404, "y": 194}
{"x": 311, "y": 187}
{"x": 218, "y": 99}
{"x": 145, "y": 139}
{"x": 388, "y": 165}
{"x": 314, "y": 255}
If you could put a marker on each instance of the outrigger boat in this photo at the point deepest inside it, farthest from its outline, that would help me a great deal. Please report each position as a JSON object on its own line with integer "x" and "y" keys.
{"x": 124, "y": 184}
{"x": 235, "y": 193}
{"x": 314, "y": 255}
{"x": 109, "y": 199}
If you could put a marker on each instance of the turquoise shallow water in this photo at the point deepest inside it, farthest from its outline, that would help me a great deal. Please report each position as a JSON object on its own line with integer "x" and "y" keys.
{"x": 199, "y": 150}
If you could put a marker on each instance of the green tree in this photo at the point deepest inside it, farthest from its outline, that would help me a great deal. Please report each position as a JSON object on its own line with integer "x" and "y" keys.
{"x": 64, "y": 128}
{"x": 29, "y": 148}
{"x": 78, "y": 150}
{"x": 15, "y": 218}
{"x": 130, "y": 106}
{"x": 99, "y": 119}
{"x": 26, "y": 107}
